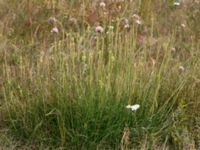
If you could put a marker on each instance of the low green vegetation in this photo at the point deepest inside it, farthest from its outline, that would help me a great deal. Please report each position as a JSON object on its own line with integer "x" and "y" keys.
{"x": 69, "y": 69}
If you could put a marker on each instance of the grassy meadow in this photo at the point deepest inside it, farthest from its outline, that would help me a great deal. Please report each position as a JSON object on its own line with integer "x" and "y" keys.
{"x": 70, "y": 70}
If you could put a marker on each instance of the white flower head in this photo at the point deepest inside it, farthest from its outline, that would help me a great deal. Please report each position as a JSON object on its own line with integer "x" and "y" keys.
{"x": 99, "y": 29}
{"x": 133, "y": 107}
{"x": 176, "y": 3}
{"x": 102, "y": 4}
{"x": 183, "y": 25}
{"x": 181, "y": 68}
{"x": 54, "y": 30}
{"x": 138, "y": 22}
{"x": 52, "y": 20}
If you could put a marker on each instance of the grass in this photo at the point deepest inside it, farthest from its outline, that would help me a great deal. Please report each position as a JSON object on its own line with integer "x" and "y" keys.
{"x": 69, "y": 90}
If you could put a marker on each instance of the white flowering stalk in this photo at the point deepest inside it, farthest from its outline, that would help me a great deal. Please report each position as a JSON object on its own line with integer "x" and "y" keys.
{"x": 133, "y": 107}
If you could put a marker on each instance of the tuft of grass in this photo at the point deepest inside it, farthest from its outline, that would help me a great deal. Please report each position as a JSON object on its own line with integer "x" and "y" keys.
{"x": 69, "y": 89}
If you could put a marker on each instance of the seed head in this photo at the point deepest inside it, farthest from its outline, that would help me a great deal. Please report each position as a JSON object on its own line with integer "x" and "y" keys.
{"x": 173, "y": 49}
{"x": 52, "y": 20}
{"x": 181, "y": 69}
{"x": 127, "y": 26}
{"x": 137, "y": 19}
{"x": 138, "y": 22}
{"x": 72, "y": 21}
{"x": 183, "y": 25}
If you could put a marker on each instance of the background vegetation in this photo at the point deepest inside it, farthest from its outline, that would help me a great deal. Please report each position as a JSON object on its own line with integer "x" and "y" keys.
{"x": 68, "y": 69}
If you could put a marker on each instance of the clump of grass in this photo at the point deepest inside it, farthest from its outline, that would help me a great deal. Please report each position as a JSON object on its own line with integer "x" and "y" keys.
{"x": 66, "y": 84}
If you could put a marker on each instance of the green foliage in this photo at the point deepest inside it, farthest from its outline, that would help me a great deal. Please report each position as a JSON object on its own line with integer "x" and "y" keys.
{"x": 70, "y": 89}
